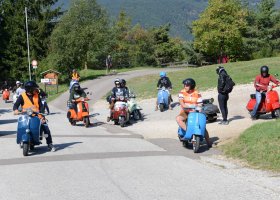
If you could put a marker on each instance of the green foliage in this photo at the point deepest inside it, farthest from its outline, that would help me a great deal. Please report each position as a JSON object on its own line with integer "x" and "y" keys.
{"x": 13, "y": 33}
{"x": 262, "y": 33}
{"x": 258, "y": 145}
{"x": 80, "y": 38}
{"x": 220, "y": 28}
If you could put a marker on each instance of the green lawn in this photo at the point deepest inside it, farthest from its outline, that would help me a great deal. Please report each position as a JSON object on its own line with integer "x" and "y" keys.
{"x": 259, "y": 146}
{"x": 206, "y": 77}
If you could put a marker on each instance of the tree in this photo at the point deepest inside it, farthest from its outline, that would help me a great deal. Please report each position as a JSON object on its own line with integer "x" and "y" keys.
{"x": 41, "y": 22}
{"x": 220, "y": 28}
{"x": 262, "y": 33}
{"x": 80, "y": 38}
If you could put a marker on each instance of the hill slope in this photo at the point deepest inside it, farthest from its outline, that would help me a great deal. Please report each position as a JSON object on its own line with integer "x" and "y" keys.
{"x": 148, "y": 13}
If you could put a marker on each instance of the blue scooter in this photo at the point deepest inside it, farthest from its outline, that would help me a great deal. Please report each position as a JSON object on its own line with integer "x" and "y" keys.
{"x": 28, "y": 131}
{"x": 196, "y": 127}
{"x": 162, "y": 99}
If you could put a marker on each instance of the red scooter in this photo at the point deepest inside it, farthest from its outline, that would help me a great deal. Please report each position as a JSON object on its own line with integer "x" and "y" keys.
{"x": 120, "y": 114}
{"x": 269, "y": 103}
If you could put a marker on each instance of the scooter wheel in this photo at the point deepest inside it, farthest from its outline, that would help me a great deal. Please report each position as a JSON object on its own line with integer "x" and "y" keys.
{"x": 196, "y": 144}
{"x": 161, "y": 107}
{"x": 87, "y": 122}
{"x": 25, "y": 149}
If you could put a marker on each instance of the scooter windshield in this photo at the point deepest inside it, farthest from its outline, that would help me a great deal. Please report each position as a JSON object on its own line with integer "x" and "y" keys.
{"x": 23, "y": 121}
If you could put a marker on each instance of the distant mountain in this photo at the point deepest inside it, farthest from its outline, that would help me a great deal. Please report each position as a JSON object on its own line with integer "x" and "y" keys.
{"x": 149, "y": 13}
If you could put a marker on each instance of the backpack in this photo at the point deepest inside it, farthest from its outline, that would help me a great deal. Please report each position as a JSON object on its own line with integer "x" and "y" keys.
{"x": 229, "y": 84}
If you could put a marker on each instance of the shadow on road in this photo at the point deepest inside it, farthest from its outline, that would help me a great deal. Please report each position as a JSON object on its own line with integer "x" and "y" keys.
{"x": 8, "y": 121}
{"x": 4, "y": 133}
{"x": 3, "y": 111}
{"x": 39, "y": 150}
{"x": 236, "y": 117}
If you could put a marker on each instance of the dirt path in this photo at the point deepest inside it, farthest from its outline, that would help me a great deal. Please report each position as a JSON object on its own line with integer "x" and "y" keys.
{"x": 163, "y": 125}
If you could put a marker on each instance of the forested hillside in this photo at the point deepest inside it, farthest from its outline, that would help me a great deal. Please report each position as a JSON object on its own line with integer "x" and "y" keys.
{"x": 179, "y": 13}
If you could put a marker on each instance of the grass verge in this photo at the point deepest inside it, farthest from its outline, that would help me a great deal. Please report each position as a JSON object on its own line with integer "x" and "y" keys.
{"x": 258, "y": 145}
{"x": 206, "y": 77}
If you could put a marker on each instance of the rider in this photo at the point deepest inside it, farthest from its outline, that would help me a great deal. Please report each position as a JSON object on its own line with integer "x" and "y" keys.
{"x": 31, "y": 99}
{"x": 75, "y": 75}
{"x": 261, "y": 84}
{"x": 123, "y": 85}
{"x": 188, "y": 97}
{"x": 43, "y": 97}
{"x": 20, "y": 89}
{"x": 76, "y": 93}
{"x": 117, "y": 91}
{"x": 164, "y": 82}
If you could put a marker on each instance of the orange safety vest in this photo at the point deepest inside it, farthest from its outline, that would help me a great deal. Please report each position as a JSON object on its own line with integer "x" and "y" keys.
{"x": 189, "y": 98}
{"x": 75, "y": 76}
{"x": 28, "y": 104}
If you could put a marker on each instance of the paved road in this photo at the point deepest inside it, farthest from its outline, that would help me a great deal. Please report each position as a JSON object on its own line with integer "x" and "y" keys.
{"x": 105, "y": 162}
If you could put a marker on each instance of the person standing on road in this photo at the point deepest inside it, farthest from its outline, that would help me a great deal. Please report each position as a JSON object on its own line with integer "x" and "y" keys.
{"x": 108, "y": 63}
{"x": 261, "y": 84}
{"x": 222, "y": 96}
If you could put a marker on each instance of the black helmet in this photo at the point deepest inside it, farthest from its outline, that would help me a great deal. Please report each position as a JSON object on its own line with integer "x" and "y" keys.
{"x": 30, "y": 86}
{"x": 219, "y": 69}
{"x": 123, "y": 82}
{"x": 264, "y": 69}
{"x": 189, "y": 82}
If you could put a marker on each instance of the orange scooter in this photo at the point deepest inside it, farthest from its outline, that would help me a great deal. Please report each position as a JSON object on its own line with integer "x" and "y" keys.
{"x": 6, "y": 95}
{"x": 82, "y": 113}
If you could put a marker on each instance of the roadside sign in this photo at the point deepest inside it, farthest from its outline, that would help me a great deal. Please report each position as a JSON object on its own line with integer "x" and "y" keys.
{"x": 45, "y": 80}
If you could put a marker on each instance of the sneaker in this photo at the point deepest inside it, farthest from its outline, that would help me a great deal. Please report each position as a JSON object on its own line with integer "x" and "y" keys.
{"x": 51, "y": 147}
{"x": 225, "y": 122}
{"x": 209, "y": 145}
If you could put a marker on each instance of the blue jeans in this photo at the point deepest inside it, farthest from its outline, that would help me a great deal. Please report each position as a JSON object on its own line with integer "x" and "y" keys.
{"x": 258, "y": 101}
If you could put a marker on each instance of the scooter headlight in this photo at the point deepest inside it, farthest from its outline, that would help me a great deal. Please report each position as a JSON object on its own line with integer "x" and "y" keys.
{"x": 27, "y": 130}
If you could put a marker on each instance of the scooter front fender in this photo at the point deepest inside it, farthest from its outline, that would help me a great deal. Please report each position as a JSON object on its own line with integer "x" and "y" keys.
{"x": 25, "y": 138}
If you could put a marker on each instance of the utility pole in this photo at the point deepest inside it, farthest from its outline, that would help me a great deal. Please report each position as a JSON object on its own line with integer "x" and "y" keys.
{"x": 28, "y": 53}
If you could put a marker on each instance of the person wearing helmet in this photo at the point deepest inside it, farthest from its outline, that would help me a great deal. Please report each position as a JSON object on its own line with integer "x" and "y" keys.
{"x": 31, "y": 99}
{"x": 164, "y": 81}
{"x": 75, "y": 75}
{"x": 261, "y": 84}
{"x": 18, "y": 89}
{"x": 189, "y": 97}
{"x": 76, "y": 93}
{"x": 123, "y": 85}
{"x": 222, "y": 95}
{"x": 118, "y": 92}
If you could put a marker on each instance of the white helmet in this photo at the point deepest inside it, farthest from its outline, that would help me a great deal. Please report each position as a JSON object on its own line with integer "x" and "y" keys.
{"x": 18, "y": 82}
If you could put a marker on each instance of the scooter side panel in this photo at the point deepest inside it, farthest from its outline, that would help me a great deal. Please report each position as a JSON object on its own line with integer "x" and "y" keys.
{"x": 21, "y": 128}
{"x": 196, "y": 125}
{"x": 163, "y": 97}
{"x": 35, "y": 126}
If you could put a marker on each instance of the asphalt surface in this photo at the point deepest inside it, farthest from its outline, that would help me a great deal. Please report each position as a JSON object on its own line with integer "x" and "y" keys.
{"x": 107, "y": 162}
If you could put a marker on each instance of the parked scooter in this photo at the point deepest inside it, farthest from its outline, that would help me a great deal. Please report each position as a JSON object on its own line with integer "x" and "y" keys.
{"x": 134, "y": 108}
{"x": 6, "y": 95}
{"x": 210, "y": 110}
{"x": 162, "y": 99}
{"x": 196, "y": 127}
{"x": 81, "y": 114}
{"x": 28, "y": 131}
{"x": 269, "y": 103}
{"x": 120, "y": 114}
